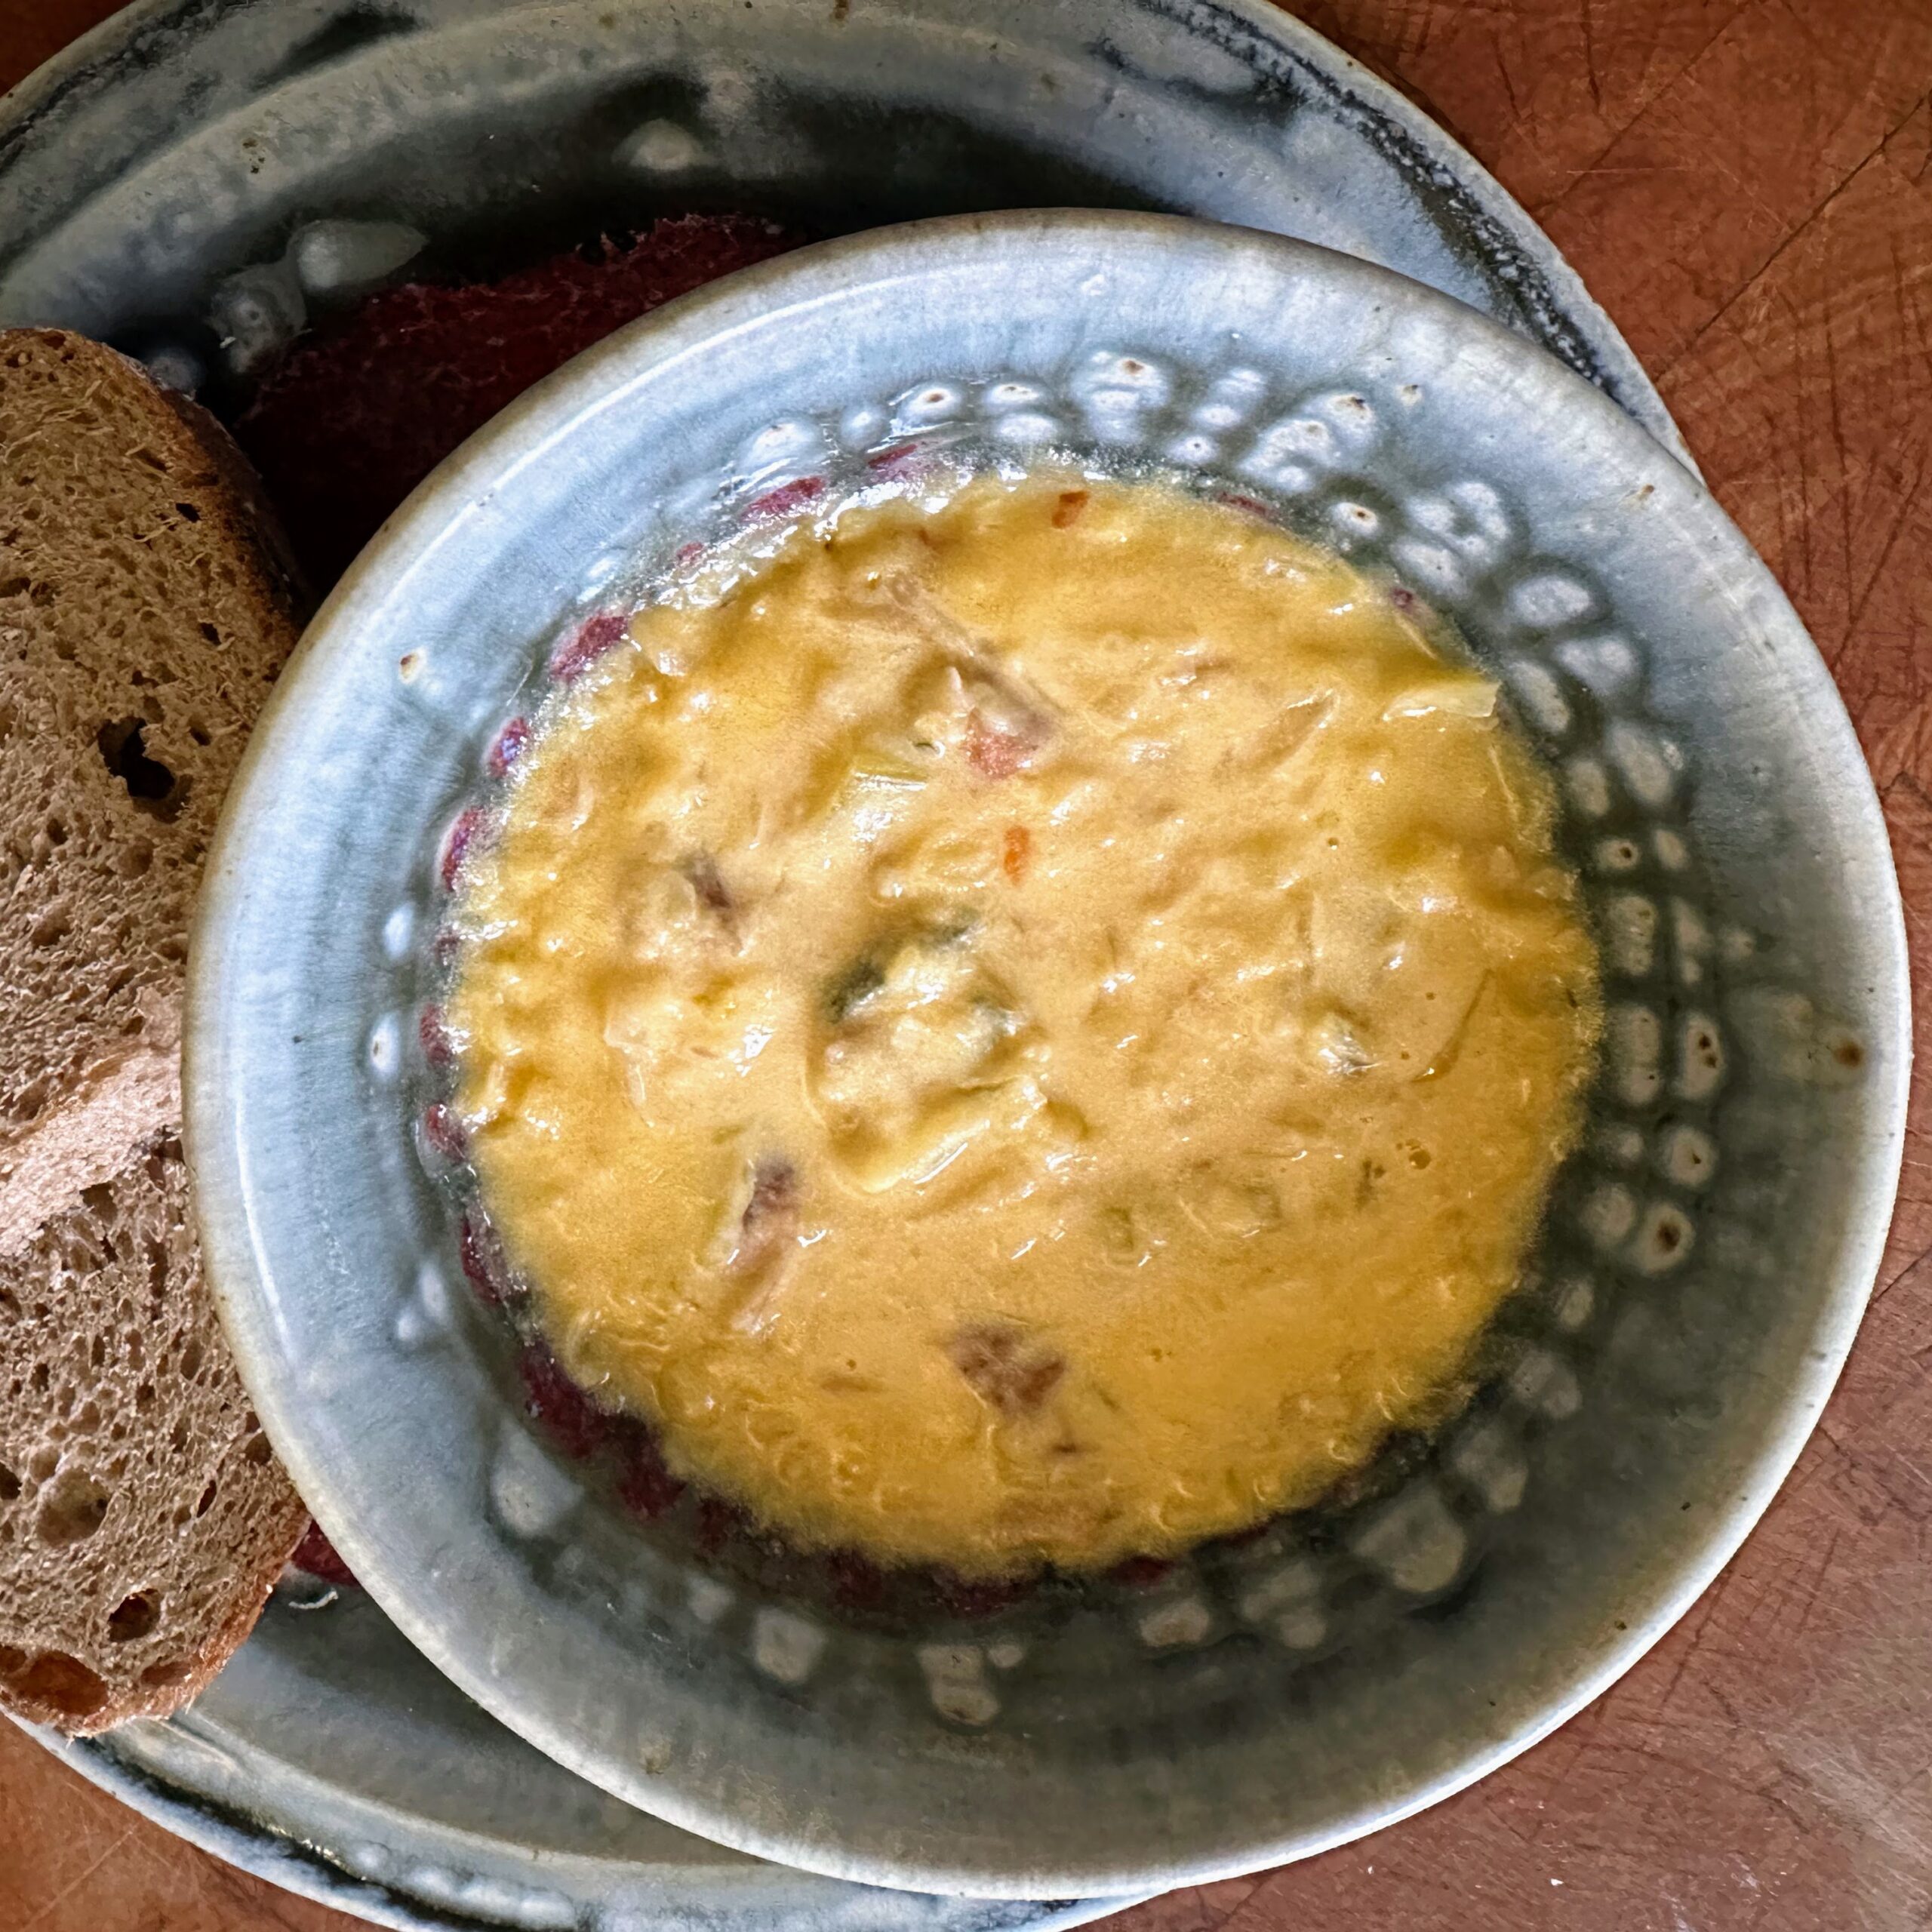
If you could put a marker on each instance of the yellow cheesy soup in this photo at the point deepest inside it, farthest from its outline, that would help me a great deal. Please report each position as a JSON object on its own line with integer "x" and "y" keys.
{"x": 1030, "y": 1027}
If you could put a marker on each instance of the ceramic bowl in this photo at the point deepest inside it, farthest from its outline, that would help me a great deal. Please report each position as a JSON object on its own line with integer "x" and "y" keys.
{"x": 1705, "y": 1258}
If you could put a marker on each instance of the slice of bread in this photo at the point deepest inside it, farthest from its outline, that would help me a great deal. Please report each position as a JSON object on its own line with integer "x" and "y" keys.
{"x": 145, "y": 608}
{"x": 363, "y": 407}
{"x": 144, "y": 615}
{"x": 143, "y": 1517}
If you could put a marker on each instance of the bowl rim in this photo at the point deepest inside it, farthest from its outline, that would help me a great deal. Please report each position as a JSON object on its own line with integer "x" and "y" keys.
{"x": 545, "y": 415}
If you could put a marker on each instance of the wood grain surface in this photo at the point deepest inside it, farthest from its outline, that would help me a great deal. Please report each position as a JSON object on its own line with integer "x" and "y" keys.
{"x": 1746, "y": 185}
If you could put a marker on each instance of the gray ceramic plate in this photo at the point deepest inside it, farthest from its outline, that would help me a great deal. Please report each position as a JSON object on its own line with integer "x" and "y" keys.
{"x": 1702, "y": 1265}
{"x": 183, "y": 141}
{"x": 332, "y": 1760}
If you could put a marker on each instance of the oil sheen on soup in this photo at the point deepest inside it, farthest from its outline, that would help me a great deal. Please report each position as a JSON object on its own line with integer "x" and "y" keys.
{"x": 1034, "y": 1026}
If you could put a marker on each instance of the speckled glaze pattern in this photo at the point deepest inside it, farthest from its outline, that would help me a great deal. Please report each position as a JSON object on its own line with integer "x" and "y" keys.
{"x": 1707, "y": 1258}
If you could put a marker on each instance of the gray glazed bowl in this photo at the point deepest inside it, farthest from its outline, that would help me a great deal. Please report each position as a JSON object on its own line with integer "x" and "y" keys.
{"x": 1706, "y": 1257}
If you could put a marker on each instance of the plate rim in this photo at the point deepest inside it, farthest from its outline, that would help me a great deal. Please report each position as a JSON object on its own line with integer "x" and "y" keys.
{"x": 295, "y": 1865}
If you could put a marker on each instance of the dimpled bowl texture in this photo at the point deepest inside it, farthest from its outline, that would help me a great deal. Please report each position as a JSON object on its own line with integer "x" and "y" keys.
{"x": 1706, "y": 1255}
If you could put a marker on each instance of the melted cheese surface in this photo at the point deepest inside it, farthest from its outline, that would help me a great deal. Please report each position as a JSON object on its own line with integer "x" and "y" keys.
{"x": 1034, "y": 1030}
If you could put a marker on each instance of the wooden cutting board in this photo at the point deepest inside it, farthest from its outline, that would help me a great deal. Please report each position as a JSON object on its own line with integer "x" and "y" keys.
{"x": 1746, "y": 185}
